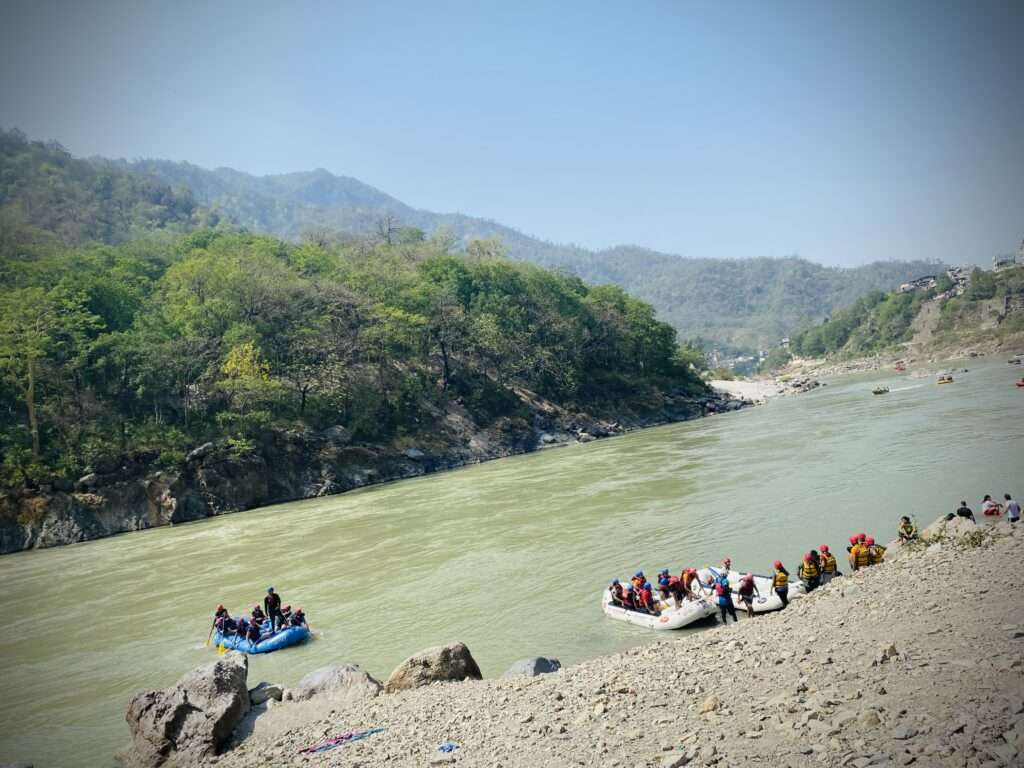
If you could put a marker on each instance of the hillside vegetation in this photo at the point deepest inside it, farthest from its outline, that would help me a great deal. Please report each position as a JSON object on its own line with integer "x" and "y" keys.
{"x": 734, "y": 304}
{"x": 154, "y": 345}
{"x": 878, "y": 321}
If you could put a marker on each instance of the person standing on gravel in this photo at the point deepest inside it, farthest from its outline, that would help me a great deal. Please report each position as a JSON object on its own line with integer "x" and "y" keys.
{"x": 1012, "y": 509}
{"x": 746, "y": 592}
{"x": 780, "y": 583}
{"x": 829, "y": 567}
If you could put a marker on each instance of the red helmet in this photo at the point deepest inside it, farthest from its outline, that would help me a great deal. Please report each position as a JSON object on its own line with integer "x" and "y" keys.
{"x": 861, "y": 536}
{"x": 808, "y": 558}
{"x": 853, "y": 539}
{"x": 778, "y": 563}
{"x": 869, "y": 541}
{"x": 823, "y": 547}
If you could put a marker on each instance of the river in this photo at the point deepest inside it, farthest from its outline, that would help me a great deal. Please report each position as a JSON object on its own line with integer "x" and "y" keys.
{"x": 509, "y": 556}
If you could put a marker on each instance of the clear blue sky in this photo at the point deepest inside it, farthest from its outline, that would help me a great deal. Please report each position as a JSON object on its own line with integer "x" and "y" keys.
{"x": 841, "y": 131}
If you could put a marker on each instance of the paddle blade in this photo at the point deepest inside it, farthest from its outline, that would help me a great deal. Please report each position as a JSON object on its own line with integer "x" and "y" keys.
{"x": 221, "y": 649}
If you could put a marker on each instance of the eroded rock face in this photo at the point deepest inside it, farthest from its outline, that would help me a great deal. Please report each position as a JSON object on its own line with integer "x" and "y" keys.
{"x": 533, "y": 666}
{"x": 190, "y": 721}
{"x": 948, "y": 529}
{"x": 442, "y": 664}
{"x": 339, "y": 681}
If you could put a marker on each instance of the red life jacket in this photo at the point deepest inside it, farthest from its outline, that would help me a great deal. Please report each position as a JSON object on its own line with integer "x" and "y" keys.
{"x": 672, "y": 582}
{"x": 646, "y": 598}
{"x": 720, "y": 589}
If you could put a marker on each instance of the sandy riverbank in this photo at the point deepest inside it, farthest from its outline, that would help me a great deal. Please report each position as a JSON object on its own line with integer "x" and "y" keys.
{"x": 916, "y": 661}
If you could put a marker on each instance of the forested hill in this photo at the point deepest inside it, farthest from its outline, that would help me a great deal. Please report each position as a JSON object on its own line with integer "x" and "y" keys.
{"x": 746, "y": 303}
{"x": 49, "y": 197}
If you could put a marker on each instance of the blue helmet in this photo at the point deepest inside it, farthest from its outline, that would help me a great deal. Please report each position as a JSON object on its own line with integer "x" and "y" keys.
{"x": 647, "y": 585}
{"x": 638, "y": 574}
{"x": 615, "y": 581}
{"x": 270, "y": 589}
{"x": 629, "y": 588}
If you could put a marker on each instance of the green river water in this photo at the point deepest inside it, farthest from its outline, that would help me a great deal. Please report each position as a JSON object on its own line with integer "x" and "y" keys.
{"x": 509, "y": 557}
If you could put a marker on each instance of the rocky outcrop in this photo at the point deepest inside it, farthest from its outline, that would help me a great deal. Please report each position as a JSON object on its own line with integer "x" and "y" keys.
{"x": 264, "y": 692}
{"x": 533, "y": 666}
{"x": 346, "y": 682}
{"x": 948, "y": 529}
{"x": 133, "y": 493}
{"x": 447, "y": 663}
{"x": 190, "y": 721}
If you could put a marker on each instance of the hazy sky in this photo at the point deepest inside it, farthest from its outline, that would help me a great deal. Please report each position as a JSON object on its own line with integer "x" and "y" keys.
{"x": 841, "y": 131}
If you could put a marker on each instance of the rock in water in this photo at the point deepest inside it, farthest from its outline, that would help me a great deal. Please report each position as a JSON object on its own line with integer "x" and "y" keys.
{"x": 533, "y": 666}
{"x": 444, "y": 663}
{"x": 189, "y": 722}
{"x": 339, "y": 681}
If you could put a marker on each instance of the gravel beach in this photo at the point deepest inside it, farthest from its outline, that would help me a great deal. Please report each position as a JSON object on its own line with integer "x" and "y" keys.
{"x": 917, "y": 661}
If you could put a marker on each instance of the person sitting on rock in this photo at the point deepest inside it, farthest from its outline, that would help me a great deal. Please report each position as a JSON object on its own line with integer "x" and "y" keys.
{"x": 809, "y": 573}
{"x": 964, "y": 511}
{"x": 645, "y": 600}
{"x": 876, "y": 552}
{"x": 669, "y": 586}
{"x": 829, "y": 566}
{"x": 906, "y": 531}
{"x": 780, "y": 583}
{"x": 746, "y": 591}
{"x": 299, "y": 618}
{"x": 617, "y": 596}
{"x": 991, "y": 508}
{"x": 860, "y": 555}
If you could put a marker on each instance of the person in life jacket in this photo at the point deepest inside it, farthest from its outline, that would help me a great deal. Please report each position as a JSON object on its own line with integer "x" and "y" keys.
{"x": 645, "y": 600}
{"x": 723, "y": 596}
{"x": 669, "y": 586}
{"x": 299, "y": 618}
{"x": 852, "y": 544}
{"x": 780, "y": 582}
{"x": 746, "y": 591}
{"x": 252, "y": 634}
{"x": 809, "y": 573}
{"x": 257, "y": 616}
{"x": 242, "y": 628}
{"x": 906, "y": 531}
{"x": 727, "y": 565}
{"x": 688, "y": 576}
{"x": 615, "y": 590}
{"x": 272, "y": 607}
{"x": 829, "y": 566}
{"x": 629, "y": 599}
{"x": 860, "y": 556}
{"x": 286, "y": 614}
{"x": 638, "y": 580}
{"x": 876, "y": 552}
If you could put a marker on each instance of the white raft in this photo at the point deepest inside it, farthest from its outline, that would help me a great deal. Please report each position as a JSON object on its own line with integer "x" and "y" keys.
{"x": 670, "y": 617}
{"x": 768, "y": 600}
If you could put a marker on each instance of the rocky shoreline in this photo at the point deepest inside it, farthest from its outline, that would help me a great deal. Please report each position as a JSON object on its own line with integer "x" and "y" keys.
{"x": 913, "y": 662}
{"x": 134, "y": 493}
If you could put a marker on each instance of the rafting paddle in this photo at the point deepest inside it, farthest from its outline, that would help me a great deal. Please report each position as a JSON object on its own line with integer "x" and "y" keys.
{"x": 214, "y": 624}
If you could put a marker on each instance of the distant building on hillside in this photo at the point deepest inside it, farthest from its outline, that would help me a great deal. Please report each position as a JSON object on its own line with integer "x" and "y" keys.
{"x": 960, "y": 277}
{"x": 1009, "y": 260}
{"x": 784, "y": 343}
{"x": 921, "y": 283}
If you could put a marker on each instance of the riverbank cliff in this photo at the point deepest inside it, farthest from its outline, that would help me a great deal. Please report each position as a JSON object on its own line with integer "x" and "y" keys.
{"x": 134, "y": 492}
{"x": 913, "y": 662}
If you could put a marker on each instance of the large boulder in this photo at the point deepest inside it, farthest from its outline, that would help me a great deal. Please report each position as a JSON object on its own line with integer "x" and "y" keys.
{"x": 347, "y": 682}
{"x": 191, "y": 721}
{"x": 442, "y": 664}
{"x": 948, "y": 529}
{"x": 533, "y": 666}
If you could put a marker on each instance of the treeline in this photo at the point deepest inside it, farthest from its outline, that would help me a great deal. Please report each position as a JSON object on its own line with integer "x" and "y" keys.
{"x": 162, "y": 342}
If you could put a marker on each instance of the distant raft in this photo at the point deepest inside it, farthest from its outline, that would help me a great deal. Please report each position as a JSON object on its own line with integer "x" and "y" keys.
{"x": 670, "y": 617}
{"x": 281, "y": 639}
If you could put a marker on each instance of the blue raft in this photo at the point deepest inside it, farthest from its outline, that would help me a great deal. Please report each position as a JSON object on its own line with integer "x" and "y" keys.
{"x": 277, "y": 641}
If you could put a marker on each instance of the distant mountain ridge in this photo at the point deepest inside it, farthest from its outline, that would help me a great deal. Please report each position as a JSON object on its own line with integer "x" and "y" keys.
{"x": 740, "y": 304}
